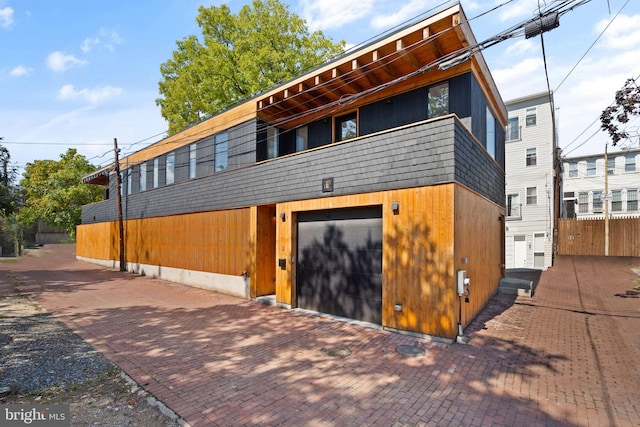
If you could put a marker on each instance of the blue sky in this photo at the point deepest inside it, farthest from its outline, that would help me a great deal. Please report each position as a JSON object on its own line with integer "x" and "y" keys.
{"x": 80, "y": 73}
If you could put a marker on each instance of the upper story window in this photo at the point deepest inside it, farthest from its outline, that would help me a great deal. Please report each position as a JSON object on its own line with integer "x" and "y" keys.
{"x": 346, "y": 126}
{"x": 491, "y": 134}
{"x": 611, "y": 165}
{"x": 156, "y": 167}
{"x": 532, "y": 158}
{"x": 302, "y": 138}
{"x": 438, "y": 100}
{"x": 513, "y": 206}
{"x": 221, "y": 155}
{"x": 632, "y": 200}
{"x": 583, "y": 202}
{"x": 597, "y": 201}
{"x": 532, "y": 196}
{"x": 531, "y": 116}
{"x": 169, "y": 172}
{"x": 143, "y": 176}
{"x": 193, "y": 160}
{"x": 129, "y": 181}
{"x": 616, "y": 201}
{"x": 272, "y": 142}
{"x": 573, "y": 169}
{"x": 513, "y": 129}
{"x": 591, "y": 167}
{"x": 630, "y": 163}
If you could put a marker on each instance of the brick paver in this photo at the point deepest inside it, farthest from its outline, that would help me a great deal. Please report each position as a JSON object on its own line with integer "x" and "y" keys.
{"x": 567, "y": 356}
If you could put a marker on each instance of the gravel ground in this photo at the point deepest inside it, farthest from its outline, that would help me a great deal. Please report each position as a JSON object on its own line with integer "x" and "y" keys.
{"x": 40, "y": 352}
{"x": 44, "y": 362}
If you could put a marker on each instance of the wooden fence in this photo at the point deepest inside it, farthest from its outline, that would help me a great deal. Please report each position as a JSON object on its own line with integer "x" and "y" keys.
{"x": 587, "y": 237}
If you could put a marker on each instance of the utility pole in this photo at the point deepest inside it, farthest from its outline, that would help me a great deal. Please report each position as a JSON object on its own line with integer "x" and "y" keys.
{"x": 606, "y": 202}
{"x": 119, "y": 198}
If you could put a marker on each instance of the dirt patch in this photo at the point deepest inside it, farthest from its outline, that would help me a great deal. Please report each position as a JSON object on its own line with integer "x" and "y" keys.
{"x": 109, "y": 400}
{"x": 43, "y": 362}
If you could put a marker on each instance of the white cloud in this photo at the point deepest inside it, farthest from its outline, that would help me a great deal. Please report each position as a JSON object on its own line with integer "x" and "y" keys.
{"x": 110, "y": 38}
{"x": 523, "y": 78}
{"x": 520, "y": 47}
{"x": 408, "y": 11}
{"x": 92, "y": 96}
{"x": 89, "y": 43}
{"x": 20, "y": 71}
{"x": 328, "y": 14}
{"x": 6, "y": 17}
{"x": 520, "y": 9}
{"x": 58, "y": 61}
{"x": 624, "y": 32}
{"x": 107, "y": 38}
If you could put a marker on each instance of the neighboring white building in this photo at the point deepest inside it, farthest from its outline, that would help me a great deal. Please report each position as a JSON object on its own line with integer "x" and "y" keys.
{"x": 529, "y": 152}
{"x": 584, "y": 185}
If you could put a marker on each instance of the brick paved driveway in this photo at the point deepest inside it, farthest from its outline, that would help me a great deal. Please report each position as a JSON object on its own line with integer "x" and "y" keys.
{"x": 568, "y": 356}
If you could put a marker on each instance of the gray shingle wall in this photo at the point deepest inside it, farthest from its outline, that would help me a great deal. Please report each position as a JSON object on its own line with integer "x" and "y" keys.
{"x": 418, "y": 155}
{"x": 475, "y": 169}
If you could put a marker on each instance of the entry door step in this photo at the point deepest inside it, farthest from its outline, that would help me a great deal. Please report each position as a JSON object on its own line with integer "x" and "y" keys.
{"x": 512, "y": 286}
{"x": 267, "y": 300}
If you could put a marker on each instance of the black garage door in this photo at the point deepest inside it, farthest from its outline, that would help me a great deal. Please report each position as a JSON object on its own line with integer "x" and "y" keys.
{"x": 340, "y": 262}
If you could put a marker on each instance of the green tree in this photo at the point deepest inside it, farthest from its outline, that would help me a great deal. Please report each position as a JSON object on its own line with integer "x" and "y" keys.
{"x": 627, "y": 104}
{"x": 8, "y": 193}
{"x": 238, "y": 57}
{"x": 54, "y": 192}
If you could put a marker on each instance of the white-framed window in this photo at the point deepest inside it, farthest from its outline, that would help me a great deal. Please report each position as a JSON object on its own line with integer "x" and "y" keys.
{"x": 573, "y": 169}
{"x": 491, "y": 134}
{"x": 302, "y": 138}
{"x": 597, "y": 202}
{"x": 513, "y": 129}
{"x": 193, "y": 156}
{"x": 531, "y": 116}
{"x": 591, "y": 167}
{"x": 532, "y": 157}
{"x": 532, "y": 196}
{"x": 156, "y": 168}
{"x": 632, "y": 200}
{"x": 438, "y": 100}
{"x": 583, "y": 202}
{"x": 169, "y": 172}
{"x": 616, "y": 201}
{"x": 513, "y": 206}
{"x": 630, "y": 163}
{"x": 143, "y": 176}
{"x": 611, "y": 165}
{"x": 221, "y": 159}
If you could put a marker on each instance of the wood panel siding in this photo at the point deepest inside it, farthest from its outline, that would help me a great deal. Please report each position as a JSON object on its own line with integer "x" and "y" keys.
{"x": 215, "y": 242}
{"x": 263, "y": 243}
{"x": 420, "y": 252}
{"x": 479, "y": 241}
{"x": 587, "y": 237}
{"x": 98, "y": 241}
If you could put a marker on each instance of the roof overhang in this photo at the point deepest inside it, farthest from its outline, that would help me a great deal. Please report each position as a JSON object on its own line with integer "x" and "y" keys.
{"x": 406, "y": 59}
{"x": 99, "y": 177}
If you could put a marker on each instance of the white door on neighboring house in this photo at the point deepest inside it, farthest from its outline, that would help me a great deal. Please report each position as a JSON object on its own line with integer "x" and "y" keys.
{"x": 519, "y": 251}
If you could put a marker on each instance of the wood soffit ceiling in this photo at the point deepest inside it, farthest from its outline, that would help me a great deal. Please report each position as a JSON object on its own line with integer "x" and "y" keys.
{"x": 366, "y": 75}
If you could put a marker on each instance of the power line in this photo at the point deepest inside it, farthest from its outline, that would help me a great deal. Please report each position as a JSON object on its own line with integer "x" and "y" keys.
{"x": 592, "y": 45}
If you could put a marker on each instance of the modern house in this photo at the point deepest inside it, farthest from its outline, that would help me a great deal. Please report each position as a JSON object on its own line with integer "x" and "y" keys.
{"x": 585, "y": 186}
{"x": 366, "y": 188}
{"x": 530, "y": 151}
